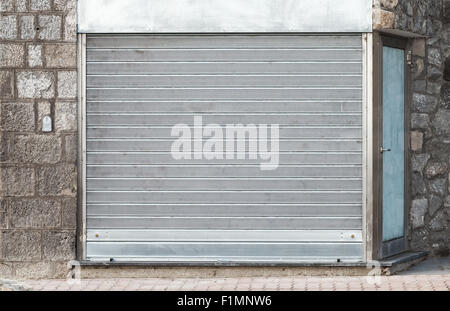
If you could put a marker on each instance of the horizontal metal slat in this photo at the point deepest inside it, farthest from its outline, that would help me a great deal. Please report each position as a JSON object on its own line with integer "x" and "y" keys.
{"x": 165, "y": 145}
{"x": 224, "y": 184}
{"x": 95, "y": 68}
{"x": 224, "y": 106}
{"x": 276, "y": 196}
{"x": 131, "y": 132}
{"x": 217, "y": 209}
{"x": 216, "y": 250}
{"x": 135, "y": 81}
{"x": 166, "y": 158}
{"x": 353, "y": 236}
{"x": 317, "y": 119}
{"x": 223, "y": 41}
{"x": 228, "y": 223}
{"x": 211, "y": 55}
{"x": 224, "y": 93}
{"x": 222, "y": 171}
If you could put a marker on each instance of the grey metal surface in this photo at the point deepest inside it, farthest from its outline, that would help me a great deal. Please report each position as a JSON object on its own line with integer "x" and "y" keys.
{"x": 309, "y": 208}
{"x": 188, "y": 16}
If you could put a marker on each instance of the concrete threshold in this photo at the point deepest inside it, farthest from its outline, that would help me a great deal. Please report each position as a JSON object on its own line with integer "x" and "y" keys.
{"x": 171, "y": 270}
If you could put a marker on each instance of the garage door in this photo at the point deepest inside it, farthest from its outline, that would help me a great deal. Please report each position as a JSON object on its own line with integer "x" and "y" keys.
{"x": 145, "y": 204}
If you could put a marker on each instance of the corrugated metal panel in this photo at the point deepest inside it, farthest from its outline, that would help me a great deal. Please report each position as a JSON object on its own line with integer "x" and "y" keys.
{"x": 144, "y": 205}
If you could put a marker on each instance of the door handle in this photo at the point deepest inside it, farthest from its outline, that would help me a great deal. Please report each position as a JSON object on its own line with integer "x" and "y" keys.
{"x": 384, "y": 149}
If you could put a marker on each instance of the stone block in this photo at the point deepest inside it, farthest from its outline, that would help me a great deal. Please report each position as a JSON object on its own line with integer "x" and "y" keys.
{"x": 418, "y": 47}
{"x": 35, "y": 84}
{"x": 7, "y": 6}
{"x": 424, "y": 103}
{"x": 71, "y": 148}
{"x": 57, "y": 180}
{"x": 61, "y": 56}
{"x": 70, "y": 18}
{"x": 438, "y": 186}
{"x": 17, "y": 181}
{"x": 416, "y": 141}
{"x": 435, "y": 168}
{"x": 418, "y": 210}
{"x": 435, "y": 57}
{"x": 35, "y": 213}
{"x": 17, "y": 117}
{"x": 439, "y": 222}
{"x": 8, "y": 27}
{"x": 65, "y": 5}
{"x": 389, "y": 4}
{"x": 6, "y": 84}
{"x": 41, "y": 270}
{"x": 418, "y": 186}
{"x": 27, "y": 27}
{"x": 35, "y": 55}
{"x": 19, "y": 245}
{"x": 419, "y": 161}
{"x": 21, "y": 5}
{"x": 40, "y": 5}
{"x": 420, "y": 121}
{"x": 435, "y": 204}
{"x": 383, "y": 19}
{"x": 419, "y": 69}
{"x": 67, "y": 84}
{"x": 12, "y": 55}
{"x": 69, "y": 213}
{"x": 66, "y": 116}
{"x": 38, "y": 149}
{"x": 59, "y": 245}
{"x": 3, "y": 214}
{"x": 441, "y": 121}
{"x": 50, "y": 27}
{"x": 6, "y": 270}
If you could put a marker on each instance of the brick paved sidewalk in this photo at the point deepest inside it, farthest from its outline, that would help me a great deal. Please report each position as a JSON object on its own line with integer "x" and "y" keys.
{"x": 384, "y": 283}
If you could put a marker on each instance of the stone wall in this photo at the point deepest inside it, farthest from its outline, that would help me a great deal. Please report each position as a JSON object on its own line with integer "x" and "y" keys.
{"x": 38, "y": 175}
{"x": 430, "y": 116}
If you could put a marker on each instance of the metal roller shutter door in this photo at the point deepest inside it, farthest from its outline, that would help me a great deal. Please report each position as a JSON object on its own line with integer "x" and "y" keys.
{"x": 144, "y": 205}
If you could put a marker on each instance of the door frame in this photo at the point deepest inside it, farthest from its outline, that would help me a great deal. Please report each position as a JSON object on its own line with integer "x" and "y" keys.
{"x": 382, "y": 250}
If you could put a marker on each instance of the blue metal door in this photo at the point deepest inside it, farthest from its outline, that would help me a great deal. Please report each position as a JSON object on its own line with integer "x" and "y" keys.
{"x": 393, "y": 150}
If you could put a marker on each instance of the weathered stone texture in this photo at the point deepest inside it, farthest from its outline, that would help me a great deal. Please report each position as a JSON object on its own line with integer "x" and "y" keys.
{"x": 7, "y": 6}
{"x": 71, "y": 143}
{"x": 35, "y": 84}
{"x": 416, "y": 141}
{"x": 27, "y": 27}
{"x": 57, "y": 180}
{"x": 39, "y": 149}
{"x": 40, "y": 5}
{"x": 8, "y": 27}
{"x": 66, "y": 116}
{"x": 6, "y": 84}
{"x": 59, "y": 245}
{"x": 41, "y": 270}
{"x": 17, "y": 117}
{"x": 383, "y": 19}
{"x": 69, "y": 213}
{"x": 20, "y": 245}
{"x": 17, "y": 181}
{"x": 35, "y": 56}
{"x": 12, "y": 55}
{"x": 21, "y": 5}
{"x": 38, "y": 176}
{"x": 50, "y": 27}
{"x": 61, "y": 55}
{"x": 35, "y": 213}
{"x": 67, "y": 84}
{"x": 3, "y": 214}
{"x": 418, "y": 210}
